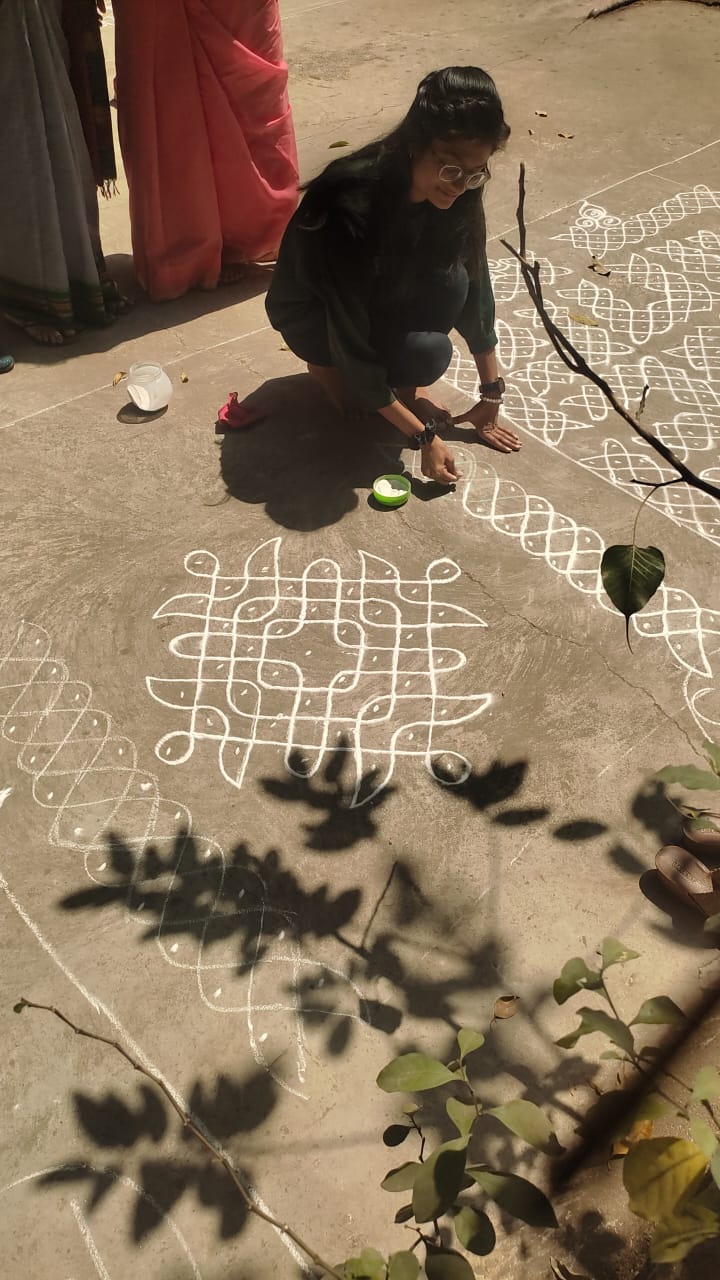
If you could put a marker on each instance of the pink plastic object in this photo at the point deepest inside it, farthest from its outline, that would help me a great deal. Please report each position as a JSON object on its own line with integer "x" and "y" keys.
{"x": 234, "y": 416}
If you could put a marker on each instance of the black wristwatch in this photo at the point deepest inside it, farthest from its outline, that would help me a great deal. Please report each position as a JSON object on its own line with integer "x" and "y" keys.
{"x": 426, "y": 436}
{"x": 493, "y": 392}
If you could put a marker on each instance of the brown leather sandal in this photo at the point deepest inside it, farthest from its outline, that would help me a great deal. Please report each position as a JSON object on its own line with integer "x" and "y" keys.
{"x": 703, "y": 843}
{"x": 689, "y": 879}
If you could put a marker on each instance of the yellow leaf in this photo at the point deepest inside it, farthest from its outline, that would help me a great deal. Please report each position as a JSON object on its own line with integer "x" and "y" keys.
{"x": 183, "y": 376}
{"x": 119, "y": 377}
{"x": 506, "y": 1006}
{"x": 659, "y": 1173}
{"x": 679, "y": 1233}
{"x": 638, "y": 1132}
{"x": 580, "y": 318}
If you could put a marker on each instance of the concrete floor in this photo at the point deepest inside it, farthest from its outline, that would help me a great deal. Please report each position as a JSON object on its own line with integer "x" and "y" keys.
{"x": 268, "y": 940}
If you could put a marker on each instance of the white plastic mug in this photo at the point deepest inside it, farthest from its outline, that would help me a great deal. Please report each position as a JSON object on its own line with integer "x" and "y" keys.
{"x": 149, "y": 387}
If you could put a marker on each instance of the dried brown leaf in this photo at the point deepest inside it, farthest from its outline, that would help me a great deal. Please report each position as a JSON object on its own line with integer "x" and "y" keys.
{"x": 119, "y": 377}
{"x": 541, "y": 113}
{"x": 599, "y": 267}
{"x": 184, "y": 377}
{"x": 580, "y": 318}
{"x": 531, "y": 132}
{"x": 506, "y": 1006}
{"x": 566, "y": 135}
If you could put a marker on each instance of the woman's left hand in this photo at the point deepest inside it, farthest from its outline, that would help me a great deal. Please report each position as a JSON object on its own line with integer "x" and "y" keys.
{"x": 485, "y": 419}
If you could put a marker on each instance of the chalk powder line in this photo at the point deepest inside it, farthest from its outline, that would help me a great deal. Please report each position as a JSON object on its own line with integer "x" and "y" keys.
{"x": 381, "y": 659}
{"x": 87, "y": 775}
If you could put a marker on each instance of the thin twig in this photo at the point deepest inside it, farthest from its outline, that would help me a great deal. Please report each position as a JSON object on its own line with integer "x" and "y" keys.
{"x": 625, "y": 4}
{"x": 190, "y": 1125}
{"x": 657, "y": 484}
{"x": 574, "y": 361}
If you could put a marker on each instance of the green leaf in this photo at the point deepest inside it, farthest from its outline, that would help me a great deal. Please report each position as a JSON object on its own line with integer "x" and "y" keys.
{"x": 403, "y": 1266}
{"x": 475, "y": 1231}
{"x": 680, "y": 1232}
{"x": 395, "y": 1134}
{"x": 462, "y": 1115}
{"x": 341, "y": 143}
{"x": 410, "y": 1109}
{"x": 702, "y": 824}
{"x": 712, "y": 755}
{"x": 469, "y": 1041}
{"x": 652, "y": 1107}
{"x": 614, "y": 952}
{"x": 404, "y": 1214}
{"x": 369, "y": 1266}
{"x": 515, "y": 1195}
{"x": 702, "y": 1134}
{"x": 659, "y": 1174}
{"x": 529, "y": 1123}
{"x": 689, "y": 776}
{"x": 612, "y": 1055}
{"x": 631, "y": 575}
{"x": 402, "y": 1178}
{"x": 446, "y": 1264}
{"x": 439, "y": 1182}
{"x": 660, "y": 1011}
{"x": 598, "y": 1020}
{"x": 412, "y": 1073}
{"x": 575, "y": 977}
{"x": 706, "y": 1086}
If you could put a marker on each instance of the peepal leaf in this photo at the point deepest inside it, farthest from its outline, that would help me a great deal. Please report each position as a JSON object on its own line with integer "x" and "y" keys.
{"x": 661, "y": 1011}
{"x": 679, "y": 1233}
{"x": 475, "y": 1231}
{"x": 515, "y": 1195}
{"x": 369, "y": 1266}
{"x": 712, "y": 754}
{"x": 529, "y": 1123}
{"x": 706, "y": 1087}
{"x": 439, "y": 1182}
{"x": 402, "y": 1178}
{"x": 598, "y": 1020}
{"x": 702, "y": 1134}
{"x": 690, "y": 777}
{"x": 403, "y": 1266}
{"x": 631, "y": 575}
{"x": 659, "y": 1173}
{"x": 575, "y": 977}
{"x": 614, "y": 952}
{"x": 412, "y": 1073}
{"x": 462, "y": 1114}
{"x": 469, "y": 1041}
{"x": 446, "y": 1264}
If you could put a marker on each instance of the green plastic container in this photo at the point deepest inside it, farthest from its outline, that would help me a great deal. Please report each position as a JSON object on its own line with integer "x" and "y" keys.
{"x": 400, "y": 485}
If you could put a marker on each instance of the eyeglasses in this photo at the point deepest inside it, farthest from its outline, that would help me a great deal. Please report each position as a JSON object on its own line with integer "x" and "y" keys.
{"x": 452, "y": 174}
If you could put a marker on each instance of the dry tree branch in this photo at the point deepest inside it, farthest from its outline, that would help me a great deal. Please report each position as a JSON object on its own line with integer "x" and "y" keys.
{"x": 625, "y": 4}
{"x": 190, "y": 1125}
{"x": 574, "y": 361}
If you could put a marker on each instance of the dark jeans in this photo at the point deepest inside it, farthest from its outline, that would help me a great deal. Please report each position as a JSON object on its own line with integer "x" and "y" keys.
{"x": 410, "y": 337}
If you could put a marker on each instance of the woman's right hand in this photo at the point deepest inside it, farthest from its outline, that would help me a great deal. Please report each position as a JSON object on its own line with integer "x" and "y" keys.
{"x": 438, "y": 463}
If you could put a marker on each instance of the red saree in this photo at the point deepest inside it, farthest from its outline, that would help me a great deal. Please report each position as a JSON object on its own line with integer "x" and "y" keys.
{"x": 206, "y": 136}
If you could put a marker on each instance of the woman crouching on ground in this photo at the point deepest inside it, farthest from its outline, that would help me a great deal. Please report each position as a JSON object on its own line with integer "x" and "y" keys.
{"x": 386, "y": 254}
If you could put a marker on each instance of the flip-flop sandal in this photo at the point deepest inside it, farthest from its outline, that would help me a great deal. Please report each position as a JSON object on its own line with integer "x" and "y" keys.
{"x": 704, "y": 843}
{"x": 689, "y": 879}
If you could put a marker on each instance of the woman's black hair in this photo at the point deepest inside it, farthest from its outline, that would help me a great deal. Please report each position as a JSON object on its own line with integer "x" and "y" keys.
{"x": 457, "y": 103}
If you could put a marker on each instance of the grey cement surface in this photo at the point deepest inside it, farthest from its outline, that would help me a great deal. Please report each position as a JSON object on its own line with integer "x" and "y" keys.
{"x": 258, "y": 941}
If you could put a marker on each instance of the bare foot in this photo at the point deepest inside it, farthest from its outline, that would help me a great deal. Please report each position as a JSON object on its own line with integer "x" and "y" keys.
{"x": 45, "y": 334}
